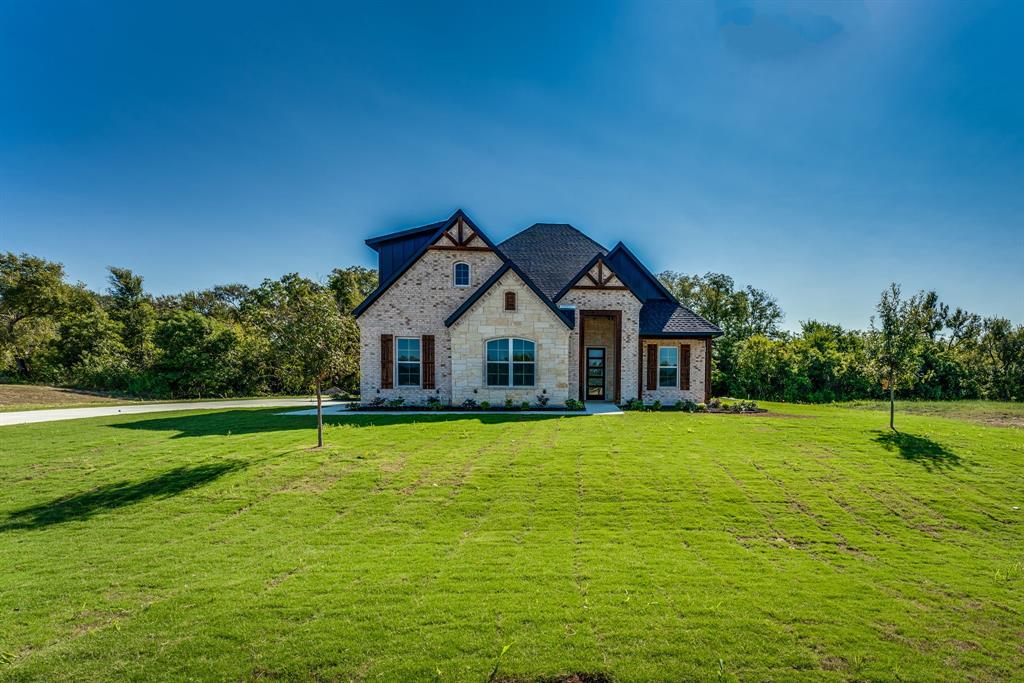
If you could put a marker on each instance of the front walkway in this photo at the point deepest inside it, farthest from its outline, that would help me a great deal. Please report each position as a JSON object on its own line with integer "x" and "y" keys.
{"x": 54, "y": 414}
{"x": 590, "y": 408}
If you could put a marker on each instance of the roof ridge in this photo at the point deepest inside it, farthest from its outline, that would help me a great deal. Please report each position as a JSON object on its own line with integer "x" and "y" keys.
{"x": 566, "y": 225}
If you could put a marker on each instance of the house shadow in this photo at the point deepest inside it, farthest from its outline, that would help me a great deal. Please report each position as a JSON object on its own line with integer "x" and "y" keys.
{"x": 82, "y": 506}
{"x": 235, "y": 422}
{"x": 920, "y": 449}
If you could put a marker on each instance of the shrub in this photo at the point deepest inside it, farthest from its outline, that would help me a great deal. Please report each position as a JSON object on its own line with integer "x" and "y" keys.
{"x": 485, "y": 405}
{"x": 687, "y": 406}
{"x": 377, "y": 402}
{"x": 573, "y": 404}
{"x": 525, "y": 405}
{"x": 656, "y": 406}
{"x": 469, "y": 404}
{"x": 715, "y": 404}
{"x": 396, "y": 402}
{"x": 701, "y": 408}
{"x": 634, "y": 404}
{"x": 509, "y": 403}
{"x": 434, "y": 403}
{"x": 542, "y": 400}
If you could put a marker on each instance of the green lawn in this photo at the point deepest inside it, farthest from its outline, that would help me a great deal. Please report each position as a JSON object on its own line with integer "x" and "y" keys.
{"x": 215, "y": 545}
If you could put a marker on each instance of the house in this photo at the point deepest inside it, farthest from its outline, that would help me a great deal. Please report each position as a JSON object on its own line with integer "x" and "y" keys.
{"x": 549, "y": 311}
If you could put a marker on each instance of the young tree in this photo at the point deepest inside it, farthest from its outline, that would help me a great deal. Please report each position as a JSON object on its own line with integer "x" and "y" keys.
{"x": 895, "y": 342}
{"x": 311, "y": 339}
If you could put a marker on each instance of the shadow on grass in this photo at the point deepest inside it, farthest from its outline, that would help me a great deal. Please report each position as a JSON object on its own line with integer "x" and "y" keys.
{"x": 231, "y": 422}
{"x": 920, "y": 449}
{"x": 81, "y": 506}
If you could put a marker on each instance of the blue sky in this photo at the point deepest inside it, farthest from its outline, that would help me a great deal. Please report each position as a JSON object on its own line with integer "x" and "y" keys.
{"x": 817, "y": 151}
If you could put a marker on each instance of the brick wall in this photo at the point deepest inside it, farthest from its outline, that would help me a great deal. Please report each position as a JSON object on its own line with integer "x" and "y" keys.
{"x": 418, "y": 304}
{"x": 669, "y": 395}
{"x": 607, "y": 300}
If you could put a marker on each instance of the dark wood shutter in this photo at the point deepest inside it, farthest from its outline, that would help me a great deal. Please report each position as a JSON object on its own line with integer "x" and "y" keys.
{"x": 684, "y": 366}
{"x": 387, "y": 361}
{"x": 428, "y": 361}
{"x": 652, "y": 367}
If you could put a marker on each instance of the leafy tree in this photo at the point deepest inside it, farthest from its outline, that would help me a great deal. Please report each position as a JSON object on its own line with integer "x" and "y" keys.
{"x": 197, "y": 355}
{"x": 896, "y": 341}
{"x": 351, "y": 285}
{"x": 133, "y": 308}
{"x": 1002, "y": 346}
{"x": 311, "y": 341}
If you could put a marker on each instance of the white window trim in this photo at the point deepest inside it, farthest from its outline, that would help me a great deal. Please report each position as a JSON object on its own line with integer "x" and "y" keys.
{"x": 469, "y": 277}
{"x": 511, "y": 363}
{"x": 675, "y": 384}
{"x": 419, "y": 384}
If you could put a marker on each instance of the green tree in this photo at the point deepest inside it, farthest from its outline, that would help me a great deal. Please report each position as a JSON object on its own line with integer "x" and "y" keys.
{"x": 311, "y": 341}
{"x": 895, "y": 342}
{"x": 132, "y": 307}
{"x": 351, "y": 285}
{"x": 196, "y": 355}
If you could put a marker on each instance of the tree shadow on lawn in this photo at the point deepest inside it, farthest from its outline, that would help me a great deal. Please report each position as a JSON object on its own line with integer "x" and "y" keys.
{"x": 82, "y": 506}
{"x": 920, "y": 449}
{"x": 233, "y": 422}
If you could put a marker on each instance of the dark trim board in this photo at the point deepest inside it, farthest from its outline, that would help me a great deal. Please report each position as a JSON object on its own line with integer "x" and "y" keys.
{"x": 680, "y": 335}
{"x": 482, "y": 289}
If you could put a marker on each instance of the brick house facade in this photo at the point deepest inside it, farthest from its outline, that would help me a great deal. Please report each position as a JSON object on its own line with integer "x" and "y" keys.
{"x": 548, "y": 312}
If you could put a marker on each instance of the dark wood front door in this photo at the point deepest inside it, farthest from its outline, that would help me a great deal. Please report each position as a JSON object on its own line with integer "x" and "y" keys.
{"x": 595, "y": 374}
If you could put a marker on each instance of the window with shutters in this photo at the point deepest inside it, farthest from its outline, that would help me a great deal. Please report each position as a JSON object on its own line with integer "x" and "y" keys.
{"x": 510, "y": 301}
{"x": 460, "y": 274}
{"x": 408, "y": 361}
{"x": 668, "y": 366}
{"x": 511, "y": 363}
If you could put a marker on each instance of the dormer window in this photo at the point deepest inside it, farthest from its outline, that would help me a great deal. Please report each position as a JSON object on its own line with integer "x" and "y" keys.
{"x": 460, "y": 274}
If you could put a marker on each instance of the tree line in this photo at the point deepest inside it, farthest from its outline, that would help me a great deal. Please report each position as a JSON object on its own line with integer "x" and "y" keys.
{"x": 229, "y": 340}
{"x": 290, "y": 334}
{"x": 914, "y": 347}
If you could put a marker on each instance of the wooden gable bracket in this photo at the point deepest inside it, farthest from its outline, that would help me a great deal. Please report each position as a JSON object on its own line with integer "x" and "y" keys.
{"x": 460, "y": 237}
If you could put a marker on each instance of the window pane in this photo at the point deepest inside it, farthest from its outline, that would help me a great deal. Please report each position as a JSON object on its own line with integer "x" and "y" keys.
{"x": 522, "y": 350}
{"x": 497, "y": 374}
{"x": 667, "y": 356}
{"x": 408, "y": 374}
{"x": 522, "y": 374}
{"x": 409, "y": 350}
{"x": 667, "y": 377}
{"x": 462, "y": 274}
{"x": 497, "y": 350}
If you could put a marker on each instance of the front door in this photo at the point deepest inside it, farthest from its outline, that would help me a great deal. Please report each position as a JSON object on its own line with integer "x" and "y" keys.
{"x": 595, "y": 373}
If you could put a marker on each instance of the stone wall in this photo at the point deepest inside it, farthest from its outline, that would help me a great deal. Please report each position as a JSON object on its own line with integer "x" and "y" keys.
{"x": 531, "y": 320}
{"x": 606, "y": 300}
{"x": 418, "y": 304}
{"x": 669, "y": 395}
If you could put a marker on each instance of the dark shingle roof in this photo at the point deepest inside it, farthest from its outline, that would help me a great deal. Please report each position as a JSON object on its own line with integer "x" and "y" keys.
{"x": 551, "y": 253}
{"x": 670, "y": 318}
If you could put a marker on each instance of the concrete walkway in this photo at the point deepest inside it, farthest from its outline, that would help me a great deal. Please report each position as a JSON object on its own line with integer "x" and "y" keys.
{"x": 54, "y": 414}
{"x": 590, "y": 408}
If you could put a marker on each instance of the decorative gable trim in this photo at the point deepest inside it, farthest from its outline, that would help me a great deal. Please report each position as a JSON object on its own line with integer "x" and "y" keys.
{"x": 494, "y": 279}
{"x": 459, "y": 226}
{"x": 596, "y": 275}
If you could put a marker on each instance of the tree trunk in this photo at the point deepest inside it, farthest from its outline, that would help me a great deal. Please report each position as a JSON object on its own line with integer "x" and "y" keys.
{"x": 319, "y": 418}
{"x": 892, "y": 407}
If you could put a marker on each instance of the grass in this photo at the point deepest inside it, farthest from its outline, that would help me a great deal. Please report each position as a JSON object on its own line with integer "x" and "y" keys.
{"x": 996, "y": 413}
{"x": 18, "y": 397}
{"x": 639, "y": 547}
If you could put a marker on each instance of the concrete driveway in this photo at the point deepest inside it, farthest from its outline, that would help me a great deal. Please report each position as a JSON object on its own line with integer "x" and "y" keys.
{"x": 54, "y": 414}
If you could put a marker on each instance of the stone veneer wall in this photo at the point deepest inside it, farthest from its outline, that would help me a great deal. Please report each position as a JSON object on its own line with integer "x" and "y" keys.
{"x": 531, "y": 320}
{"x": 606, "y": 300}
{"x": 418, "y": 304}
{"x": 669, "y": 395}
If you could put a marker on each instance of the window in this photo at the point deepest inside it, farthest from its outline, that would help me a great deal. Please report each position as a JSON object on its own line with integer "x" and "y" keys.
{"x": 460, "y": 274}
{"x": 668, "y": 366}
{"x": 408, "y": 359}
{"x": 511, "y": 363}
{"x": 510, "y": 301}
